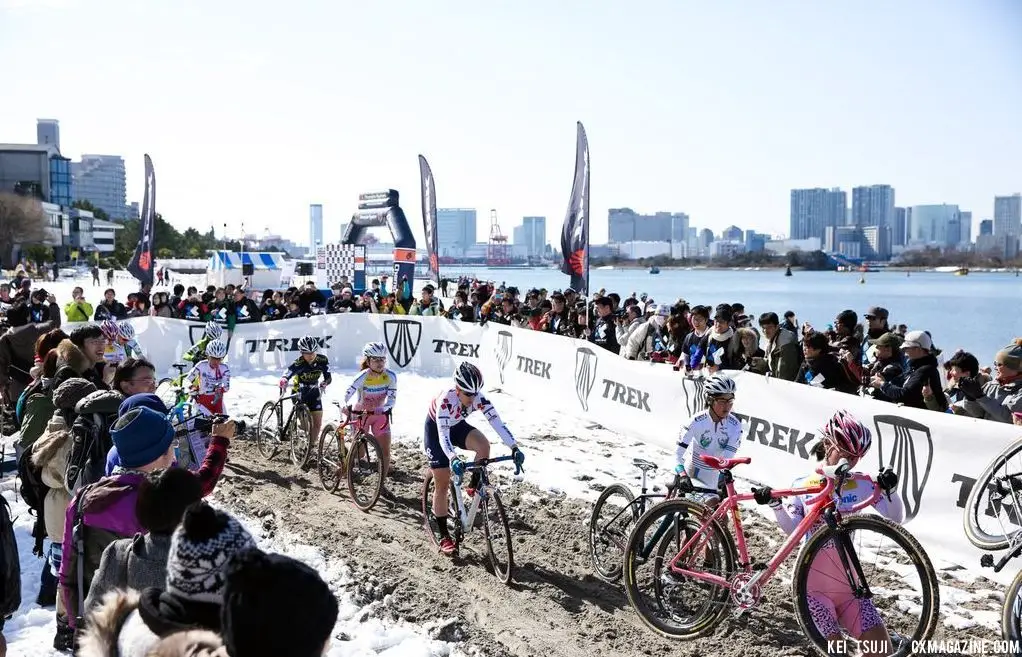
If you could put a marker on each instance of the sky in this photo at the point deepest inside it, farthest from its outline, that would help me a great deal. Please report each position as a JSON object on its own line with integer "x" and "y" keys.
{"x": 251, "y": 110}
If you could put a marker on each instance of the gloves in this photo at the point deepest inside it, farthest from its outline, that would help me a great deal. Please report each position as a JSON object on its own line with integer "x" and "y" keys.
{"x": 458, "y": 469}
{"x": 322, "y": 386}
{"x": 764, "y": 495}
{"x": 971, "y": 388}
{"x": 887, "y": 480}
{"x": 283, "y": 383}
{"x": 682, "y": 483}
{"x": 518, "y": 455}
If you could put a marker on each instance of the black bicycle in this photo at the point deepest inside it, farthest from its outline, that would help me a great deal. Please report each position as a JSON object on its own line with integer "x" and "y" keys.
{"x": 615, "y": 512}
{"x": 272, "y": 429}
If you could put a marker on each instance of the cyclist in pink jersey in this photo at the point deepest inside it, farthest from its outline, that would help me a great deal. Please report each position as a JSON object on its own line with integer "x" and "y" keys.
{"x": 376, "y": 390}
{"x": 833, "y": 605}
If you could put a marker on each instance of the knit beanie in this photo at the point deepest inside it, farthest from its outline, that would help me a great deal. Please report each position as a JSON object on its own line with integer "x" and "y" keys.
{"x": 67, "y": 395}
{"x": 141, "y": 436}
{"x": 143, "y": 400}
{"x": 1011, "y": 356}
{"x": 200, "y": 549}
{"x": 266, "y": 592}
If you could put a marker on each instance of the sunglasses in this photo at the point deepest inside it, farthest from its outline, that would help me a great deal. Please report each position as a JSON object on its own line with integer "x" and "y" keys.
{"x": 724, "y": 400}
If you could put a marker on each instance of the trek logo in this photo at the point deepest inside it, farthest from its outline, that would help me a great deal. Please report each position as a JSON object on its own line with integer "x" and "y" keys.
{"x": 503, "y": 351}
{"x": 456, "y": 348}
{"x": 534, "y": 367}
{"x": 270, "y": 345}
{"x": 585, "y": 374}
{"x": 995, "y": 506}
{"x": 402, "y": 337}
{"x": 626, "y": 395}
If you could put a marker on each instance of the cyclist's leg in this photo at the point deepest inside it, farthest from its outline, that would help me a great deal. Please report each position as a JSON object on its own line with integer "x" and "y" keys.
{"x": 441, "y": 465}
{"x": 859, "y": 616}
{"x": 313, "y": 398}
{"x": 821, "y": 608}
{"x": 476, "y": 442}
{"x": 379, "y": 426}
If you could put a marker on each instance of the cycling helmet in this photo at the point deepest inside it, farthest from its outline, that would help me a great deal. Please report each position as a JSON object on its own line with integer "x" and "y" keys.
{"x": 216, "y": 349}
{"x": 718, "y": 385}
{"x": 468, "y": 378}
{"x": 110, "y": 329}
{"x": 213, "y": 330}
{"x": 126, "y": 330}
{"x": 374, "y": 350}
{"x": 848, "y": 433}
{"x": 308, "y": 345}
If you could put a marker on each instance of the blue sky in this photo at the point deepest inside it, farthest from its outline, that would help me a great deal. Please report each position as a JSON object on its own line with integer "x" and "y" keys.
{"x": 251, "y": 109}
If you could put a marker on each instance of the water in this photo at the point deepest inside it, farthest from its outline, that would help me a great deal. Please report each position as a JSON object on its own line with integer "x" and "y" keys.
{"x": 979, "y": 312}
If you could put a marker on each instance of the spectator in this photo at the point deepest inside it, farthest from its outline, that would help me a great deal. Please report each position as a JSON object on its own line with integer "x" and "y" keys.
{"x": 627, "y": 323}
{"x": 887, "y": 362}
{"x": 781, "y": 354}
{"x": 922, "y": 371}
{"x": 92, "y": 343}
{"x": 245, "y": 309}
{"x": 603, "y": 331}
{"x": 110, "y": 308}
{"x": 790, "y": 323}
{"x": 161, "y": 305}
{"x": 428, "y": 304}
{"x": 341, "y": 301}
{"x": 1001, "y": 397}
{"x": 821, "y": 368}
{"x": 307, "y": 296}
{"x": 718, "y": 345}
{"x": 78, "y": 309}
{"x": 43, "y": 308}
{"x": 750, "y": 356}
{"x": 17, "y": 352}
{"x": 68, "y": 361}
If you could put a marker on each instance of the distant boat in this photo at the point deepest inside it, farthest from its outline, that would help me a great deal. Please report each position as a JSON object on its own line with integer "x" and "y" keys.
{"x": 654, "y": 269}
{"x": 962, "y": 271}
{"x": 862, "y": 279}
{"x": 787, "y": 272}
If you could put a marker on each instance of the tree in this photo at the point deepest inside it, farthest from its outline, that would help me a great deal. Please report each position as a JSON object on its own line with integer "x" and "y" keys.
{"x": 22, "y": 221}
{"x": 98, "y": 213}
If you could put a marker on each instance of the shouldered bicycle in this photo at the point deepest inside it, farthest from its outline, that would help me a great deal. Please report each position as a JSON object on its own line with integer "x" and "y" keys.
{"x": 272, "y": 429}
{"x": 361, "y": 464}
{"x": 172, "y": 391}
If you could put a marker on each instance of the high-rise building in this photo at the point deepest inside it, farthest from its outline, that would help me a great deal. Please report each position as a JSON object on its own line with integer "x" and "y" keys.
{"x": 456, "y": 230}
{"x": 100, "y": 180}
{"x": 931, "y": 224}
{"x": 531, "y": 235}
{"x": 815, "y": 210}
{"x": 626, "y": 225}
{"x": 877, "y": 242}
{"x": 315, "y": 226}
{"x": 873, "y": 206}
{"x": 1008, "y": 215}
{"x": 965, "y": 228}
{"x": 899, "y": 229}
{"x": 34, "y": 170}
{"x": 733, "y": 234}
{"x": 986, "y": 227}
{"x": 48, "y": 133}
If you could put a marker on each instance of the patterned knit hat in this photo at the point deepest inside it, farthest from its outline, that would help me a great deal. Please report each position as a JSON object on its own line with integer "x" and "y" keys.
{"x": 200, "y": 549}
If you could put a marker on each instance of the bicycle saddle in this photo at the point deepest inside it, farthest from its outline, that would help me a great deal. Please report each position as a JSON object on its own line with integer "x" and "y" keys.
{"x": 181, "y": 366}
{"x": 724, "y": 464}
{"x": 643, "y": 464}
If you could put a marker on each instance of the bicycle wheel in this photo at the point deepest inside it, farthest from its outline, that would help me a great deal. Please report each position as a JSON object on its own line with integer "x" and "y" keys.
{"x": 888, "y": 556}
{"x": 613, "y": 517}
{"x": 299, "y": 433}
{"x": 1005, "y": 473}
{"x": 668, "y": 601}
{"x": 268, "y": 430}
{"x": 429, "y": 518}
{"x": 1011, "y": 613}
{"x": 365, "y": 471}
{"x": 498, "y": 536}
{"x": 330, "y": 459}
{"x": 166, "y": 392}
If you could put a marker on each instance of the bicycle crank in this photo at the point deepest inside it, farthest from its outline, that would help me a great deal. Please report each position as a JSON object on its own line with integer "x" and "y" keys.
{"x": 745, "y": 593}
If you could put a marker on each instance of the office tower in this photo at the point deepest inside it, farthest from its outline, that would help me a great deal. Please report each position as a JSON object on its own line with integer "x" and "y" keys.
{"x": 315, "y": 226}
{"x": 815, "y": 210}
{"x": 1008, "y": 215}
{"x": 100, "y": 180}
{"x": 456, "y": 230}
{"x": 873, "y": 206}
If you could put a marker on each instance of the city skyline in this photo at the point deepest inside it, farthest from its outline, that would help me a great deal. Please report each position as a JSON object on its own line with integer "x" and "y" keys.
{"x": 757, "y": 131}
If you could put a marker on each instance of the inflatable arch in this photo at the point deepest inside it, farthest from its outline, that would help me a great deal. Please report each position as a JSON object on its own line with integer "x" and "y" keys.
{"x": 382, "y": 209}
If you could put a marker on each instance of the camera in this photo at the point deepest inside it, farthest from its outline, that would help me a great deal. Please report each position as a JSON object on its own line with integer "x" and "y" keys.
{"x": 205, "y": 424}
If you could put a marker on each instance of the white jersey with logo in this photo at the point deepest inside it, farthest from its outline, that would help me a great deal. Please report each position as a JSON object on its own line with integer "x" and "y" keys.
{"x": 447, "y": 411}
{"x": 701, "y": 435}
{"x": 857, "y": 487}
{"x": 208, "y": 380}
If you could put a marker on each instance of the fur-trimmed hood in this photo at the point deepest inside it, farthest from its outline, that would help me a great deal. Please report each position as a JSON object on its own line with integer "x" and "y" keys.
{"x": 104, "y": 624}
{"x": 69, "y": 355}
{"x": 191, "y": 643}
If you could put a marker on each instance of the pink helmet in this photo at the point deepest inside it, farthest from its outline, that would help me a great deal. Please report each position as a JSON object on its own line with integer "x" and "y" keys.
{"x": 848, "y": 433}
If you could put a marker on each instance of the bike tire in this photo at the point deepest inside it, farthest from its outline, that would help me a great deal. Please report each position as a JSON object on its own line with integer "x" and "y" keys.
{"x": 609, "y": 568}
{"x": 330, "y": 460}
{"x": 364, "y": 496}
{"x": 1011, "y": 614}
{"x": 917, "y": 555}
{"x": 970, "y": 518}
{"x": 721, "y": 546}
{"x": 453, "y": 517}
{"x": 505, "y": 571}
{"x": 301, "y": 424}
{"x": 266, "y": 438}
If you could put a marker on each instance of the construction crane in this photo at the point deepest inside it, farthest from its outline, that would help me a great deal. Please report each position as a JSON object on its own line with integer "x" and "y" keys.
{"x": 498, "y": 251}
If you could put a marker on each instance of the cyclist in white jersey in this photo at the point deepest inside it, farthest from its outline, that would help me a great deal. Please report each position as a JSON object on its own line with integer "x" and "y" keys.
{"x": 832, "y": 607}
{"x": 715, "y": 431}
{"x": 446, "y": 429}
{"x": 375, "y": 390}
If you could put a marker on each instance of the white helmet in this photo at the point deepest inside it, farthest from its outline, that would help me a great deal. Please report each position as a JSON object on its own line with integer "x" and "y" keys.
{"x": 718, "y": 385}
{"x": 213, "y": 330}
{"x": 468, "y": 378}
{"x": 126, "y": 330}
{"x": 308, "y": 345}
{"x": 216, "y": 349}
{"x": 374, "y": 350}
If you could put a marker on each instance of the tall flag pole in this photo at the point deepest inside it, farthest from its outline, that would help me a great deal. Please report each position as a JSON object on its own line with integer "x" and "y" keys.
{"x": 429, "y": 217}
{"x": 141, "y": 265}
{"x": 575, "y": 232}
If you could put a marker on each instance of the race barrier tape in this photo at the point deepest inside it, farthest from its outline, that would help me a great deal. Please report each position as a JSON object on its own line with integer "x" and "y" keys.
{"x": 937, "y": 456}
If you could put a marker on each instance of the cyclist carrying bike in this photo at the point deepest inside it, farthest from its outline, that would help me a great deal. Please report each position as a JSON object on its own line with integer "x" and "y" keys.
{"x": 213, "y": 331}
{"x": 715, "y": 431}
{"x": 376, "y": 387}
{"x": 833, "y": 607}
{"x": 446, "y": 429}
{"x": 307, "y": 371}
{"x": 114, "y": 352}
{"x": 210, "y": 379}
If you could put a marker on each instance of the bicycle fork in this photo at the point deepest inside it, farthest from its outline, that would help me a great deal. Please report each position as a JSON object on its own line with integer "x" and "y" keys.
{"x": 849, "y": 558}
{"x": 468, "y": 516}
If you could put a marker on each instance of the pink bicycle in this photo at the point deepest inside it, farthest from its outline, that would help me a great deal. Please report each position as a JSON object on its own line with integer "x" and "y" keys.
{"x": 684, "y": 569}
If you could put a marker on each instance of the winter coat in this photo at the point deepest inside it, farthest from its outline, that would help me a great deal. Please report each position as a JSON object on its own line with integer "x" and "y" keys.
{"x": 37, "y": 412}
{"x": 997, "y": 403}
{"x": 78, "y": 311}
{"x": 114, "y": 310}
{"x": 783, "y": 355}
{"x": 922, "y": 371}
{"x": 50, "y": 454}
{"x": 17, "y": 353}
{"x": 131, "y": 563}
{"x": 835, "y": 376}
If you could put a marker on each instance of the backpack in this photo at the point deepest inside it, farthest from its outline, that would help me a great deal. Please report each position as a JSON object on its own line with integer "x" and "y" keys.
{"x": 10, "y": 564}
{"x": 33, "y": 491}
{"x": 90, "y": 442}
{"x": 19, "y": 408}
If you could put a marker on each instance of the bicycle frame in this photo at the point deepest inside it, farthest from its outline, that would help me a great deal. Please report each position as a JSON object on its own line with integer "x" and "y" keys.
{"x": 468, "y": 516}
{"x": 821, "y": 503}
{"x": 280, "y": 412}
{"x": 640, "y": 501}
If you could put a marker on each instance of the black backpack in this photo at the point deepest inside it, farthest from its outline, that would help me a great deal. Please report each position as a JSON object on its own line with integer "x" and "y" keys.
{"x": 10, "y": 564}
{"x": 33, "y": 491}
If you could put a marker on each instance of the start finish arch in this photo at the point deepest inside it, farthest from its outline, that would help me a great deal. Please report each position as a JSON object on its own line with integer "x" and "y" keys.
{"x": 382, "y": 209}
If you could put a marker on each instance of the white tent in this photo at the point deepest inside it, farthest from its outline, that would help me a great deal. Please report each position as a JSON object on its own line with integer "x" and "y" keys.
{"x": 227, "y": 267}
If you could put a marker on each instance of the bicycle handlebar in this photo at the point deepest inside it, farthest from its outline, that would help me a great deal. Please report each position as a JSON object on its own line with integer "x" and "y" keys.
{"x": 482, "y": 463}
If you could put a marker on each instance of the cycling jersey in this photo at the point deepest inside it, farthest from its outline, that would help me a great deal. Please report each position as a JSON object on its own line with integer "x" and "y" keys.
{"x": 209, "y": 380}
{"x": 701, "y": 435}
{"x": 446, "y": 411}
{"x": 858, "y": 487}
{"x": 308, "y": 374}
{"x": 197, "y": 352}
{"x": 376, "y": 391}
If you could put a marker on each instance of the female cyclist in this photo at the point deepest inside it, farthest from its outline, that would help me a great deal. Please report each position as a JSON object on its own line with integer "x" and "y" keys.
{"x": 114, "y": 352}
{"x": 307, "y": 371}
{"x": 376, "y": 387}
{"x": 211, "y": 378}
{"x": 446, "y": 429}
{"x": 834, "y": 608}
{"x": 126, "y": 340}
{"x": 715, "y": 431}
{"x": 213, "y": 331}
